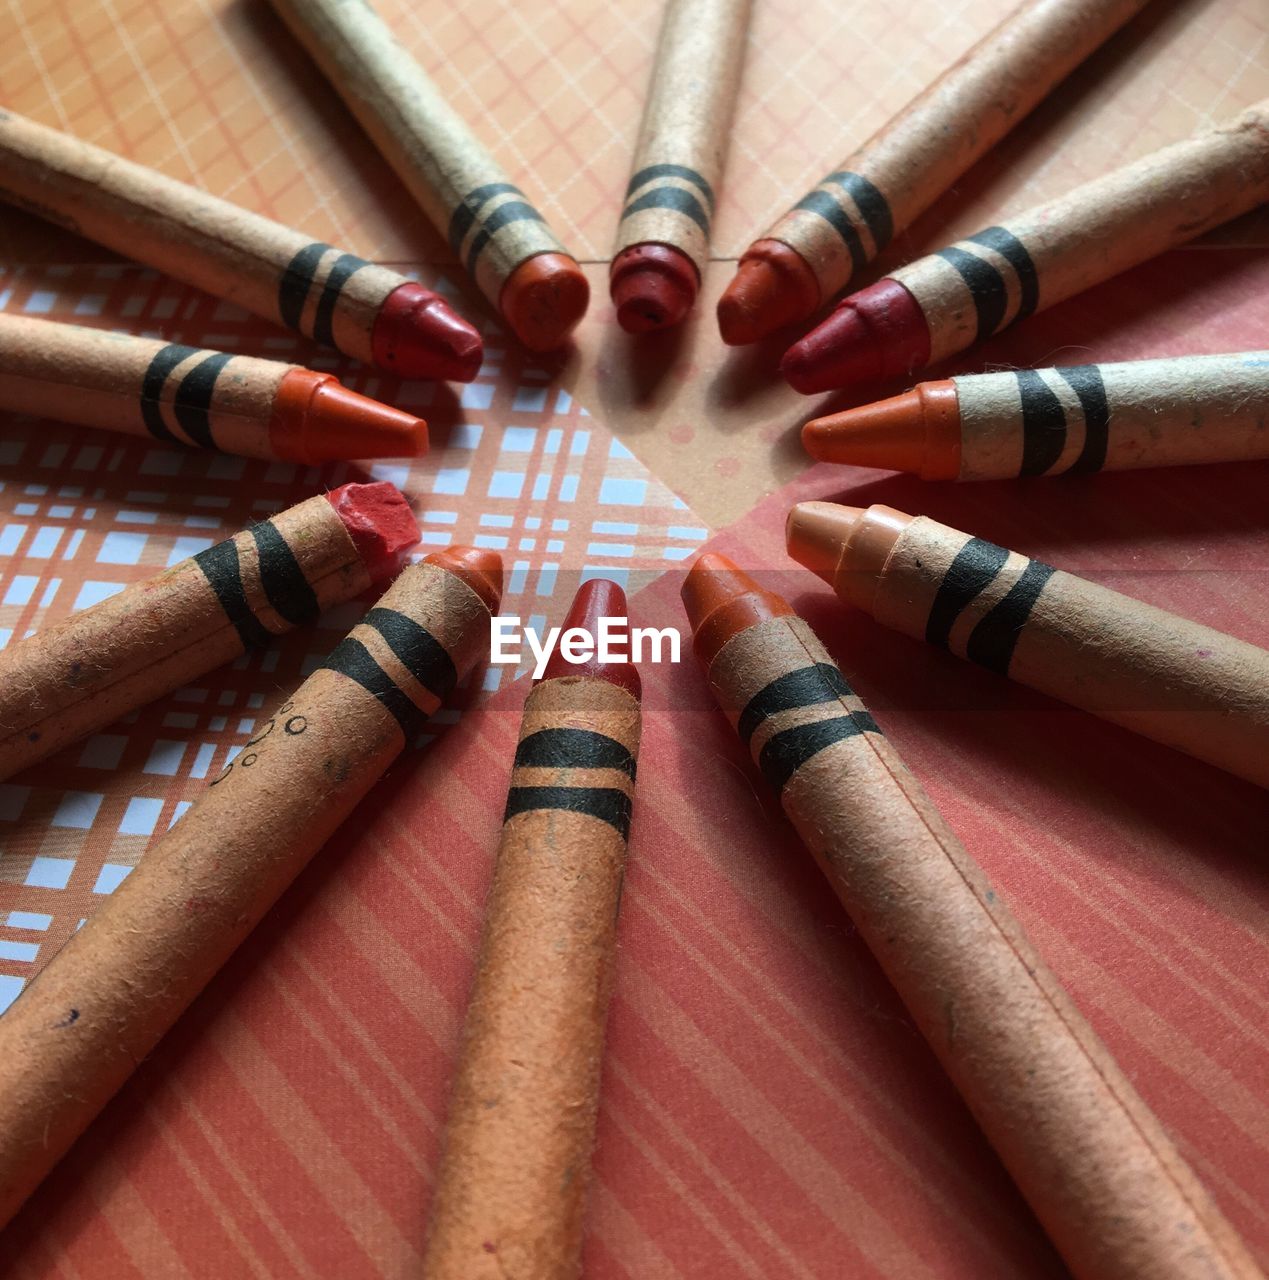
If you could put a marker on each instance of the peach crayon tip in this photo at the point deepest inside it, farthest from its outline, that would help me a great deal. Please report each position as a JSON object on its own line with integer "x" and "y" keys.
{"x": 543, "y": 300}
{"x": 317, "y": 419}
{"x": 478, "y": 567}
{"x": 878, "y": 333}
{"x": 417, "y": 334}
{"x": 773, "y": 286}
{"x": 380, "y": 523}
{"x": 816, "y": 532}
{"x": 598, "y": 598}
{"x": 722, "y": 600}
{"x": 653, "y": 286}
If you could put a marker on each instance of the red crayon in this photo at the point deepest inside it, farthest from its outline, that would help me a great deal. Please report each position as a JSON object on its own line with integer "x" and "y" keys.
{"x": 942, "y": 303}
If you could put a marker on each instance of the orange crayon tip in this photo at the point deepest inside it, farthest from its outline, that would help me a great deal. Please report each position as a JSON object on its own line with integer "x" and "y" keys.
{"x": 417, "y": 334}
{"x": 773, "y": 286}
{"x": 722, "y": 600}
{"x": 918, "y": 431}
{"x": 316, "y": 419}
{"x": 380, "y": 523}
{"x": 543, "y": 300}
{"x": 478, "y": 567}
{"x": 596, "y": 599}
{"x": 653, "y": 287}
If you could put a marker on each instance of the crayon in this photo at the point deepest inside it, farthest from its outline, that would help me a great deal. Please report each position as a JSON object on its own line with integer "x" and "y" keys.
{"x": 337, "y": 299}
{"x": 502, "y": 241}
{"x": 663, "y": 236}
{"x": 1043, "y": 422}
{"x": 947, "y": 301}
{"x": 189, "y": 396}
{"x": 1169, "y": 679}
{"x": 155, "y": 636}
{"x": 1099, "y": 1170}
{"x": 844, "y": 222}
{"x": 109, "y": 995}
{"x": 511, "y": 1187}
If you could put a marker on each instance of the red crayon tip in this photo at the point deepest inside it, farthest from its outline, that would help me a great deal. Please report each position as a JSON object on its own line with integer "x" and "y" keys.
{"x": 316, "y": 419}
{"x": 878, "y": 333}
{"x": 417, "y": 334}
{"x": 722, "y": 600}
{"x": 653, "y": 287}
{"x": 478, "y": 567}
{"x": 773, "y": 286}
{"x": 380, "y": 523}
{"x": 598, "y": 598}
{"x": 543, "y": 299}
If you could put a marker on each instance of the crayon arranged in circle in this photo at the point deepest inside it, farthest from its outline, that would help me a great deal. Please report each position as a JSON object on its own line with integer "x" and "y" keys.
{"x": 194, "y": 397}
{"x": 502, "y": 241}
{"x": 511, "y": 1187}
{"x": 1074, "y": 418}
{"x": 155, "y": 636}
{"x": 663, "y": 237}
{"x": 111, "y": 993}
{"x": 947, "y": 301}
{"x": 844, "y": 222}
{"x": 1180, "y": 683}
{"x": 1098, "y": 1169}
{"x": 366, "y": 311}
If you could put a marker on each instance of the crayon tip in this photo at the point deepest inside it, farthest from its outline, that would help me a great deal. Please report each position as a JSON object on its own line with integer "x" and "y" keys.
{"x": 773, "y": 286}
{"x": 543, "y": 299}
{"x": 380, "y": 523}
{"x": 653, "y": 287}
{"x": 478, "y": 567}
{"x": 918, "y": 431}
{"x": 878, "y": 333}
{"x": 316, "y": 419}
{"x": 417, "y": 334}
{"x": 598, "y": 598}
{"x": 722, "y": 600}
{"x": 816, "y": 532}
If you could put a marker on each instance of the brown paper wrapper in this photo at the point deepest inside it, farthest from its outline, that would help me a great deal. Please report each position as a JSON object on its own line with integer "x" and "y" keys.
{"x": 271, "y": 270}
{"x": 1096, "y": 1166}
{"x": 489, "y": 223}
{"x": 686, "y": 126}
{"x": 157, "y": 635}
{"x": 900, "y": 171}
{"x": 1169, "y": 679}
{"x": 511, "y": 1189}
{"x": 104, "y": 1001}
{"x": 134, "y": 385}
{"x": 1038, "y": 258}
{"x": 1114, "y": 417}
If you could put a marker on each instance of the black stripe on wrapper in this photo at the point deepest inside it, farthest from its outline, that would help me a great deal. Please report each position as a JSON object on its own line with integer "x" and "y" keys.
{"x": 976, "y": 564}
{"x": 608, "y": 804}
{"x": 986, "y": 286}
{"x": 993, "y": 640}
{"x": 1043, "y": 424}
{"x": 156, "y": 375}
{"x": 784, "y": 753}
{"x": 652, "y": 171}
{"x": 806, "y": 687}
{"x": 1086, "y": 381}
{"x": 1015, "y": 254}
{"x": 297, "y": 283}
{"x": 192, "y": 404}
{"x": 573, "y": 749}
{"x": 675, "y": 198}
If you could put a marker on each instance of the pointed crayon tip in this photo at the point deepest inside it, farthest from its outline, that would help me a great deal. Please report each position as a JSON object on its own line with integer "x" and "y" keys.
{"x": 722, "y": 600}
{"x": 816, "y": 532}
{"x": 317, "y": 419}
{"x": 598, "y": 598}
{"x": 478, "y": 567}
{"x": 417, "y": 334}
{"x": 773, "y": 286}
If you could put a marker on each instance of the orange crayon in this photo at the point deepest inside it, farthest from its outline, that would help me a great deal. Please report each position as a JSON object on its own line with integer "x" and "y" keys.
{"x": 81, "y": 674}
{"x": 502, "y": 241}
{"x": 186, "y": 396}
{"x": 110, "y": 994}
{"x": 1099, "y": 1170}
{"x": 511, "y": 1188}
{"x": 364, "y": 310}
{"x": 1182, "y": 684}
{"x": 1077, "y": 418}
{"x": 841, "y": 225}
{"x": 663, "y": 237}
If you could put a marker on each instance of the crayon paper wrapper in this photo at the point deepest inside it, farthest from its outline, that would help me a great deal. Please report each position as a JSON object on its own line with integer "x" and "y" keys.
{"x": 767, "y": 1108}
